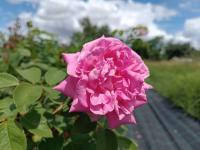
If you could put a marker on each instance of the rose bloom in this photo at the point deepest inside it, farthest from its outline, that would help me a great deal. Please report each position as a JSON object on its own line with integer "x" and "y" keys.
{"x": 105, "y": 79}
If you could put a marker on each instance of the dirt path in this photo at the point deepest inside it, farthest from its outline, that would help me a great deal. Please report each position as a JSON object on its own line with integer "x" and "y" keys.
{"x": 160, "y": 126}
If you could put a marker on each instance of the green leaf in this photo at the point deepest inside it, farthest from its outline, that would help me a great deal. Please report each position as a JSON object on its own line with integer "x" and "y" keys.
{"x": 26, "y": 94}
{"x": 41, "y": 65}
{"x": 55, "y": 143}
{"x": 80, "y": 146}
{"x": 81, "y": 142}
{"x": 7, "y": 80}
{"x": 32, "y": 74}
{"x": 36, "y": 124}
{"x": 12, "y": 136}
{"x": 122, "y": 130}
{"x": 3, "y": 66}
{"x": 83, "y": 125}
{"x": 7, "y": 108}
{"x": 24, "y": 52}
{"x": 52, "y": 94}
{"x": 126, "y": 144}
{"x": 53, "y": 76}
{"x": 15, "y": 58}
{"x": 80, "y": 137}
{"x": 60, "y": 123}
{"x": 106, "y": 140}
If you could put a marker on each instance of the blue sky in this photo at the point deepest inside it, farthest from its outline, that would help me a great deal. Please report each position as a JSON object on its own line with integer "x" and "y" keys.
{"x": 9, "y": 12}
{"x": 176, "y": 16}
{"x": 185, "y": 9}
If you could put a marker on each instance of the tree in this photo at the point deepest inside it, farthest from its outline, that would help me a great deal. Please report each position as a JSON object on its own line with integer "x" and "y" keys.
{"x": 177, "y": 50}
{"x": 155, "y": 48}
{"x": 141, "y": 47}
{"x": 89, "y": 32}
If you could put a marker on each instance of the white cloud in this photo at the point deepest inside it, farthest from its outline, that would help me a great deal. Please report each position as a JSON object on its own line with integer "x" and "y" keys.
{"x": 62, "y": 16}
{"x": 192, "y": 31}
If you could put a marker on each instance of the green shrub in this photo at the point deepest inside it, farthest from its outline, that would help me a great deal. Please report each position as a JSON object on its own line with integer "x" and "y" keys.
{"x": 32, "y": 114}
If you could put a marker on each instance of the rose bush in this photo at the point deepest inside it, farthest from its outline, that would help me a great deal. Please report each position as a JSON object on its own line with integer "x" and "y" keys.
{"x": 100, "y": 80}
{"x": 106, "y": 78}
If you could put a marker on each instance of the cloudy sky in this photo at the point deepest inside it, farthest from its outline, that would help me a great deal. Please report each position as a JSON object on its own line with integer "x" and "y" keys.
{"x": 173, "y": 19}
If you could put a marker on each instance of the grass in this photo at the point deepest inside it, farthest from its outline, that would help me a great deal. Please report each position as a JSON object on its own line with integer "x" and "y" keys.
{"x": 179, "y": 81}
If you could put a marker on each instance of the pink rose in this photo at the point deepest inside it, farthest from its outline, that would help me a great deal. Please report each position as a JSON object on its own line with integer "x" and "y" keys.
{"x": 105, "y": 79}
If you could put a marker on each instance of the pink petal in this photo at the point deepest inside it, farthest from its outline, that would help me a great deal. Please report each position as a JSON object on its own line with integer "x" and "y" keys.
{"x": 147, "y": 86}
{"x": 81, "y": 92}
{"x": 94, "y": 74}
{"x": 67, "y": 86}
{"x": 139, "y": 68}
{"x": 72, "y": 61}
{"x": 97, "y": 110}
{"x": 93, "y": 117}
{"x": 114, "y": 122}
{"x": 101, "y": 104}
{"x": 77, "y": 107}
{"x": 135, "y": 75}
{"x": 140, "y": 100}
{"x": 97, "y": 99}
{"x": 108, "y": 108}
{"x": 122, "y": 95}
{"x": 87, "y": 47}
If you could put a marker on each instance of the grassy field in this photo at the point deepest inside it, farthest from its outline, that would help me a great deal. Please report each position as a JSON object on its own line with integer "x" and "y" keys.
{"x": 179, "y": 81}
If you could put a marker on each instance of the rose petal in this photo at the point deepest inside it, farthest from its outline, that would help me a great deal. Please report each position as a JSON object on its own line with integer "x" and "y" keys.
{"x": 67, "y": 87}
{"x": 114, "y": 122}
{"x": 81, "y": 92}
{"x": 77, "y": 107}
{"x": 72, "y": 61}
{"x": 141, "y": 99}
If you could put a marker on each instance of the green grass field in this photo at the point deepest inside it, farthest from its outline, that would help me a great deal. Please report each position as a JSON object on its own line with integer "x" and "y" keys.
{"x": 179, "y": 81}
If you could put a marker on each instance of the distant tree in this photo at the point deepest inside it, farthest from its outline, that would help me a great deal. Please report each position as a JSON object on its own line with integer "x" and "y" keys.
{"x": 130, "y": 34}
{"x": 89, "y": 32}
{"x": 177, "y": 50}
{"x": 195, "y": 54}
{"x": 141, "y": 47}
{"x": 2, "y": 39}
{"x": 155, "y": 48}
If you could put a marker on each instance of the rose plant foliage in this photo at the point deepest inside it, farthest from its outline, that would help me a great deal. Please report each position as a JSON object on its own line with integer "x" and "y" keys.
{"x": 105, "y": 83}
{"x": 105, "y": 79}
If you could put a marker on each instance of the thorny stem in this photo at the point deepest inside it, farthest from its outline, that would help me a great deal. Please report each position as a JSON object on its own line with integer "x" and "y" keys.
{"x": 59, "y": 108}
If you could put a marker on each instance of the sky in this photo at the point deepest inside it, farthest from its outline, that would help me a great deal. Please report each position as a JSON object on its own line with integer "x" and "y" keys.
{"x": 173, "y": 19}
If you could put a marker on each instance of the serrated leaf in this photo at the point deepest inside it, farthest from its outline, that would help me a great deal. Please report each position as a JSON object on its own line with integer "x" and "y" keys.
{"x": 52, "y": 94}
{"x": 42, "y": 66}
{"x": 12, "y": 136}
{"x": 24, "y": 52}
{"x": 126, "y": 144}
{"x": 36, "y": 124}
{"x": 15, "y": 58}
{"x": 26, "y": 94}
{"x": 3, "y": 67}
{"x": 7, "y": 108}
{"x": 32, "y": 74}
{"x": 7, "y": 80}
{"x": 53, "y": 76}
{"x": 106, "y": 140}
{"x": 60, "y": 123}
